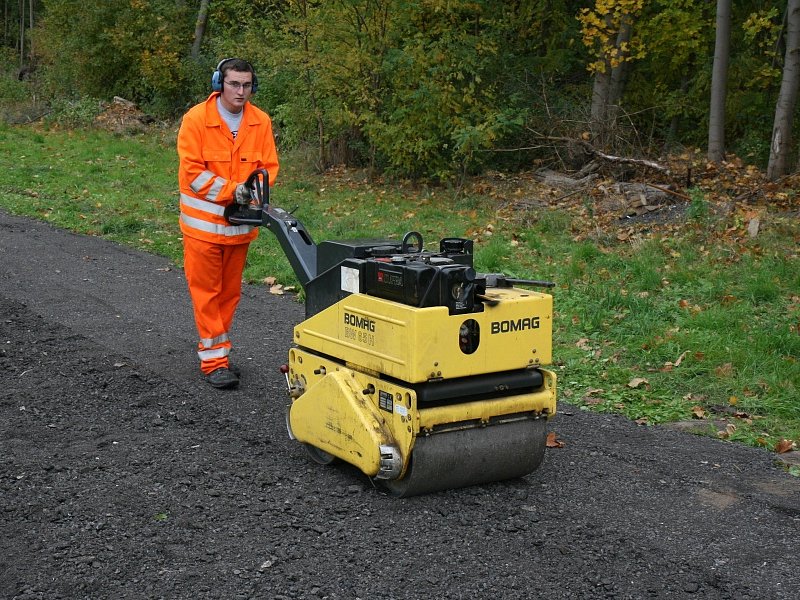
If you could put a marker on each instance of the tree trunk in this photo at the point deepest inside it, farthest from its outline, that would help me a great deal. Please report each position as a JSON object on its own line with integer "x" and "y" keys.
{"x": 30, "y": 31}
{"x": 21, "y": 34}
{"x": 200, "y": 28}
{"x": 719, "y": 81}
{"x": 608, "y": 85}
{"x": 618, "y": 73}
{"x": 787, "y": 98}
{"x": 600, "y": 91}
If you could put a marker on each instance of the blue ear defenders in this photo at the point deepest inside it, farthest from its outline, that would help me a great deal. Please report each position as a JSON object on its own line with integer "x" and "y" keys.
{"x": 216, "y": 78}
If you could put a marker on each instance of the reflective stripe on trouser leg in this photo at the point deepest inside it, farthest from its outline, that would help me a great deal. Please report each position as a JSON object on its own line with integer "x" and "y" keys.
{"x": 214, "y": 275}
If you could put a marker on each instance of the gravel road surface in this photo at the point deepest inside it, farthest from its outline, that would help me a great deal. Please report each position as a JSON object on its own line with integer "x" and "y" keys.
{"x": 123, "y": 475}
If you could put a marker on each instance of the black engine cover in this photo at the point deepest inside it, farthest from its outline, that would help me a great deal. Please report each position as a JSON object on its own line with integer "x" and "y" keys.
{"x": 422, "y": 285}
{"x": 386, "y": 269}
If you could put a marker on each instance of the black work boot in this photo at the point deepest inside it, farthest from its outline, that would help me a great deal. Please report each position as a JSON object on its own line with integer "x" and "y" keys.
{"x": 222, "y": 378}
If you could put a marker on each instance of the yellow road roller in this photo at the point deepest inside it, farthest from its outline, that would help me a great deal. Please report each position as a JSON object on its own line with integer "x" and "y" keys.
{"x": 412, "y": 367}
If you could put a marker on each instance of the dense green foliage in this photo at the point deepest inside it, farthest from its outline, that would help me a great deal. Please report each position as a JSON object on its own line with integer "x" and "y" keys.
{"x": 421, "y": 88}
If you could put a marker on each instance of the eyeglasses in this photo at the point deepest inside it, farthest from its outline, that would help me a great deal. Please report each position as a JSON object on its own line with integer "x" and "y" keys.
{"x": 238, "y": 85}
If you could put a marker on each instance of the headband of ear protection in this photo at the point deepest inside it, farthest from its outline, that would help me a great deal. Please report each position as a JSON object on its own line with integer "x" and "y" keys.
{"x": 217, "y": 77}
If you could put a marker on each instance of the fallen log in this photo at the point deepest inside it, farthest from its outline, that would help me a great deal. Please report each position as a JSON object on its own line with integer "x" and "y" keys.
{"x": 587, "y": 148}
{"x": 628, "y": 161}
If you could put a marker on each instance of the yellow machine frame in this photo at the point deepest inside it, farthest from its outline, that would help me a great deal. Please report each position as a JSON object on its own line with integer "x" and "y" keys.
{"x": 410, "y": 365}
{"x": 355, "y": 364}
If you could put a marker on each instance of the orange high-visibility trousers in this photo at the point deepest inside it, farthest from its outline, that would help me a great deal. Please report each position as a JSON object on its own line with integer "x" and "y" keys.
{"x": 214, "y": 275}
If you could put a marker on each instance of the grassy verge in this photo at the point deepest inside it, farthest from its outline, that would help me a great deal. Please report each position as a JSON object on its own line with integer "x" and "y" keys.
{"x": 701, "y": 322}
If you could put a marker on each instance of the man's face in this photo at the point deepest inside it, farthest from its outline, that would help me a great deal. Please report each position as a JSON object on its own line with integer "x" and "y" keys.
{"x": 236, "y": 89}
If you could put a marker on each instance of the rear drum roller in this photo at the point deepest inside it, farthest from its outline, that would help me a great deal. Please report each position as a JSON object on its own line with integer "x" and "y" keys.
{"x": 460, "y": 458}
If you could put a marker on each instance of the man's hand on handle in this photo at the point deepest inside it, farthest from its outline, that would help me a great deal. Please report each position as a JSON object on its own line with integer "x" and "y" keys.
{"x": 242, "y": 194}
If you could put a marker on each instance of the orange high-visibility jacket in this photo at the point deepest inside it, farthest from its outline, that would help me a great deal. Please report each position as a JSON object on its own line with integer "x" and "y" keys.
{"x": 212, "y": 164}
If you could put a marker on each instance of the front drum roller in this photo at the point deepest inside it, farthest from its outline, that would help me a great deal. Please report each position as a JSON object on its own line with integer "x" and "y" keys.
{"x": 464, "y": 457}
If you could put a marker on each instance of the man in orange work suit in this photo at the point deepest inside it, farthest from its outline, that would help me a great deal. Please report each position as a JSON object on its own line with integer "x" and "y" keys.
{"x": 220, "y": 142}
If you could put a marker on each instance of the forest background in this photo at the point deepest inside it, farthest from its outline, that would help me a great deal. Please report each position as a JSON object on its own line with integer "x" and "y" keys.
{"x": 436, "y": 88}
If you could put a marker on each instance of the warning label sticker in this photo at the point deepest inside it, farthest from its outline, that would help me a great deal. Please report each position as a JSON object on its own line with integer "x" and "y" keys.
{"x": 349, "y": 280}
{"x": 385, "y": 401}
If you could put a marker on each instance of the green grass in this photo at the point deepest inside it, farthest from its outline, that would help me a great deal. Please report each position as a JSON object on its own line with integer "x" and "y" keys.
{"x": 700, "y": 317}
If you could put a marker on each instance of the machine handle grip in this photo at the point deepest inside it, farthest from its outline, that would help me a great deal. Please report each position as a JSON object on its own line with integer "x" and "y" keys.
{"x": 258, "y": 184}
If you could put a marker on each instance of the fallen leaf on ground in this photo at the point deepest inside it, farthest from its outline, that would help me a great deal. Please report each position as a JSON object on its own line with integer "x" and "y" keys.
{"x": 698, "y": 412}
{"x": 784, "y": 446}
{"x": 636, "y": 382}
{"x": 590, "y": 396}
{"x": 552, "y": 442}
{"x": 276, "y": 289}
{"x": 270, "y": 281}
{"x": 724, "y": 370}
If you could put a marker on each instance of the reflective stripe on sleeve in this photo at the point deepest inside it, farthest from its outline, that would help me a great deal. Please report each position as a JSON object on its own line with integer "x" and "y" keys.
{"x": 213, "y": 193}
{"x": 201, "y": 180}
{"x": 205, "y": 226}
